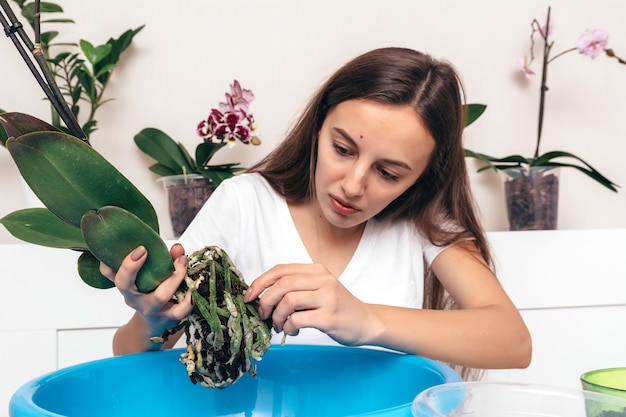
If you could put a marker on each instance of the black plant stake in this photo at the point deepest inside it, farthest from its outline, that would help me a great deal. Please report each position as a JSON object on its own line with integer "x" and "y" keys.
{"x": 42, "y": 73}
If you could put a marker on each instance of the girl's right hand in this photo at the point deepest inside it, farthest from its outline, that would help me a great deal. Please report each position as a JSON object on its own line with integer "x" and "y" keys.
{"x": 159, "y": 310}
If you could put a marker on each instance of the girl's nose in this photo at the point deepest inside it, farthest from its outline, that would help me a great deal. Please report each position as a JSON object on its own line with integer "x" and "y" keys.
{"x": 353, "y": 183}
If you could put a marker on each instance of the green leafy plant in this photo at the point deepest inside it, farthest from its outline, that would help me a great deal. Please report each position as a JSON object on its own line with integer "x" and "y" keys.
{"x": 229, "y": 123}
{"x": 91, "y": 208}
{"x": 591, "y": 43}
{"x": 82, "y": 70}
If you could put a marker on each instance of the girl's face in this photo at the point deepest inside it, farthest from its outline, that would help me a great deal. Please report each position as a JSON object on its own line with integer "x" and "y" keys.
{"x": 368, "y": 155}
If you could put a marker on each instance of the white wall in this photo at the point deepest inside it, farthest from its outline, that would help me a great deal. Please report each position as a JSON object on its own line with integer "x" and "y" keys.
{"x": 183, "y": 61}
{"x": 50, "y": 319}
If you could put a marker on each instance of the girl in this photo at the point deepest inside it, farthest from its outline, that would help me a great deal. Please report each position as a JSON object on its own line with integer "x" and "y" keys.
{"x": 359, "y": 228}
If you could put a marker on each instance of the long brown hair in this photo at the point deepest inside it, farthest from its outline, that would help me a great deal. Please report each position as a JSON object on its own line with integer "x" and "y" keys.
{"x": 441, "y": 196}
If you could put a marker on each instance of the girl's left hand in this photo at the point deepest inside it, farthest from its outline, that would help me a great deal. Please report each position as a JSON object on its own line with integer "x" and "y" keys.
{"x": 308, "y": 295}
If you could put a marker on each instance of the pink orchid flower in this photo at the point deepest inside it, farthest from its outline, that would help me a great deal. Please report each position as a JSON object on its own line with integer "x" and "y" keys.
{"x": 524, "y": 66}
{"x": 592, "y": 42}
{"x": 238, "y": 99}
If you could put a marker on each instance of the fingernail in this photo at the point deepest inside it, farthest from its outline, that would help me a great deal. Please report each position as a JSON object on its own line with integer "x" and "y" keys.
{"x": 138, "y": 253}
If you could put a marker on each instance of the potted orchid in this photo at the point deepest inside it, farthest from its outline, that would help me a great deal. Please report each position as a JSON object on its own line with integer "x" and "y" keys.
{"x": 190, "y": 181}
{"x": 531, "y": 183}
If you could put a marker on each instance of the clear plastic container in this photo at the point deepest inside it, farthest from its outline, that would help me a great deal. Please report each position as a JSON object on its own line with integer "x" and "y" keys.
{"x": 490, "y": 399}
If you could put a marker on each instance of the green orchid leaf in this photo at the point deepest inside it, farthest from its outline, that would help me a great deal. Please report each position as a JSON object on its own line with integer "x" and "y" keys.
{"x": 3, "y": 133}
{"x": 547, "y": 159}
{"x": 473, "y": 112}
{"x": 111, "y": 233}
{"x": 216, "y": 177}
{"x": 189, "y": 160}
{"x": 41, "y": 227}
{"x": 89, "y": 272}
{"x": 162, "y": 170}
{"x": 497, "y": 164}
{"x": 18, "y": 124}
{"x": 71, "y": 178}
{"x": 163, "y": 149}
{"x": 206, "y": 150}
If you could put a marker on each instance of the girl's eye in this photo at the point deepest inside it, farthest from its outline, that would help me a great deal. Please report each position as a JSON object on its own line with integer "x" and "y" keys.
{"x": 341, "y": 150}
{"x": 388, "y": 175}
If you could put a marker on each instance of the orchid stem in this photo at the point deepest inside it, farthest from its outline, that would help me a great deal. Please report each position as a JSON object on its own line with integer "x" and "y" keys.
{"x": 544, "y": 88}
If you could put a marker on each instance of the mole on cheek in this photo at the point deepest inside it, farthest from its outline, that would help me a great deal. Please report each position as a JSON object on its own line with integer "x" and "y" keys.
{"x": 361, "y": 136}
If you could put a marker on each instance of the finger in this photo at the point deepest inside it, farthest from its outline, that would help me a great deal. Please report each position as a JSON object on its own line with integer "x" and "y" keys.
{"x": 291, "y": 303}
{"x": 182, "y": 309}
{"x": 284, "y": 286}
{"x": 168, "y": 287}
{"x": 270, "y": 277}
{"x": 177, "y": 251}
{"x": 300, "y": 320}
{"x": 126, "y": 275}
{"x": 107, "y": 271}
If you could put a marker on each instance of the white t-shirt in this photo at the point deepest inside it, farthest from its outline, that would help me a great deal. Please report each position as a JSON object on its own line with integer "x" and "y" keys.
{"x": 252, "y": 223}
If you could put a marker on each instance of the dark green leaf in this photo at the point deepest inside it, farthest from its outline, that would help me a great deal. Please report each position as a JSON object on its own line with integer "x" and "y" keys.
{"x": 205, "y": 151}
{"x": 547, "y": 159}
{"x": 94, "y": 54}
{"x": 28, "y": 10}
{"x": 120, "y": 44}
{"x": 104, "y": 70}
{"x": 189, "y": 160}
{"x": 3, "y": 133}
{"x": 216, "y": 177}
{"x": 111, "y": 233}
{"x": 40, "y": 226}
{"x": 86, "y": 81}
{"x": 76, "y": 94}
{"x": 474, "y": 111}
{"x": 162, "y": 170}
{"x": 59, "y": 58}
{"x": 87, "y": 48}
{"x": 90, "y": 127}
{"x": 46, "y": 37}
{"x": 71, "y": 178}
{"x": 89, "y": 272}
{"x": 163, "y": 149}
{"x": 58, "y": 20}
{"x": 17, "y": 124}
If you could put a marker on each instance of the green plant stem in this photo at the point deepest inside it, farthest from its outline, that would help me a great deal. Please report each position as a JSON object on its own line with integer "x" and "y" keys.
{"x": 13, "y": 27}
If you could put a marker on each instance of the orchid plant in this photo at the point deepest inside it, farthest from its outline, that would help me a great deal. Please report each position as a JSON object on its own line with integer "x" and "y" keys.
{"x": 592, "y": 43}
{"x": 230, "y": 122}
{"x": 92, "y": 208}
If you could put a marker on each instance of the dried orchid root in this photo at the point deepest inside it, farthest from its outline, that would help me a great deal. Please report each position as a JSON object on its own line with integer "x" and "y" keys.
{"x": 224, "y": 334}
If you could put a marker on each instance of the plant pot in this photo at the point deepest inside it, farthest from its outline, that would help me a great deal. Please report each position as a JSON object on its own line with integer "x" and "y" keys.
{"x": 532, "y": 197}
{"x": 186, "y": 194}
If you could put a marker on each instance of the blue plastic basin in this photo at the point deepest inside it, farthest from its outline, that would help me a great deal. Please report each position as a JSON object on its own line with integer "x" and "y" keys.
{"x": 294, "y": 380}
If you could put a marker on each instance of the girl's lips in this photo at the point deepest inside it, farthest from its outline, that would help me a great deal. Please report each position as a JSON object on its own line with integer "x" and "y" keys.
{"x": 342, "y": 208}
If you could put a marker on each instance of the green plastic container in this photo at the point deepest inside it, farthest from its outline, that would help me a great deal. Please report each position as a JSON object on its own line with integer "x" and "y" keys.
{"x": 607, "y": 381}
